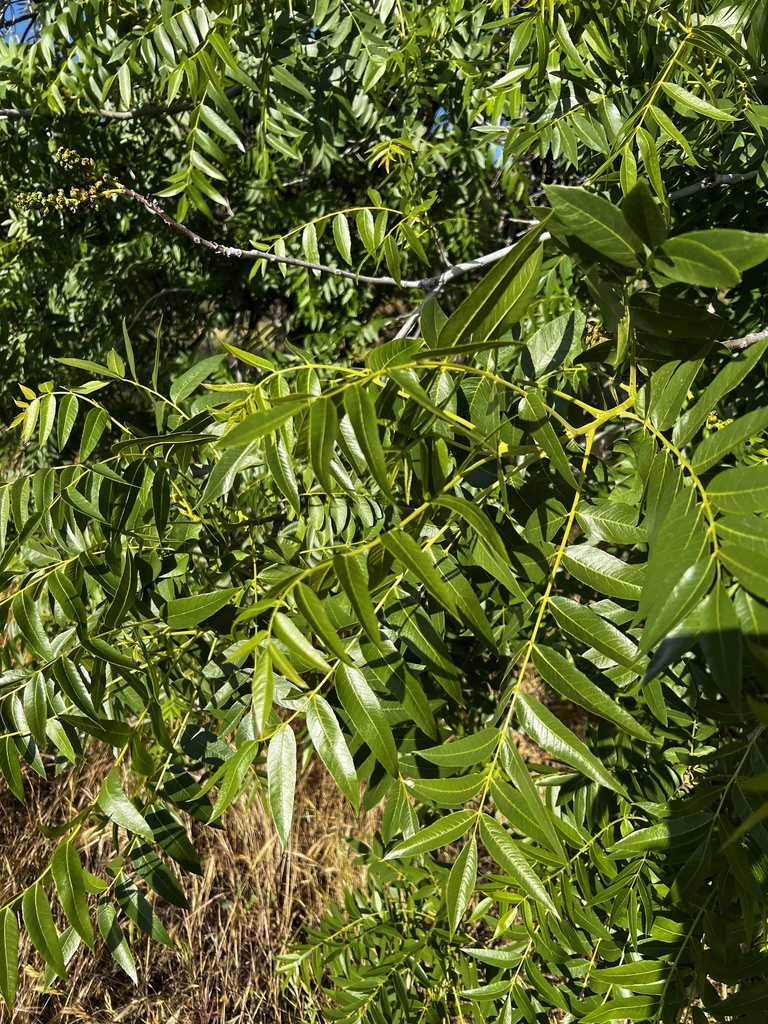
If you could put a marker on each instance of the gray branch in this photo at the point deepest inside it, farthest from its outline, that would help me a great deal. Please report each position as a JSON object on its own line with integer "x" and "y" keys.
{"x": 432, "y": 284}
{"x": 739, "y": 344}
{"x": 714, "y": 182}
{"x": 155, "y": 110}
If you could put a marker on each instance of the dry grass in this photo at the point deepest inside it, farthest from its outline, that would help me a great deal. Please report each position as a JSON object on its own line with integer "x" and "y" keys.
{"x": 251, "y": 900}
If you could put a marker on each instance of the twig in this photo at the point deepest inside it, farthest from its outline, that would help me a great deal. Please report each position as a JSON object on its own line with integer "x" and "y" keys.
{"x": 19, "y": 113}
{"x": 739, "y": 344}
{"x": 439, "y": 282}
{"x": 426, "y": 284}
{"x": 713, "y": 182}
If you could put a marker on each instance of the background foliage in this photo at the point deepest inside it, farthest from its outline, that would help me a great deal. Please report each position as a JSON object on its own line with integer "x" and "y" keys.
{"x": 406, "y": 554}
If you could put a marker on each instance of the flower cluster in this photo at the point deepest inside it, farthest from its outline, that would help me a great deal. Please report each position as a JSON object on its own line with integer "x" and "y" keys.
{"x": 75, "y": 197}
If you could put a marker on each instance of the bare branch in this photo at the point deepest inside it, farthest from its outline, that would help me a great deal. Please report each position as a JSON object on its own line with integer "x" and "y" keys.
{"x": 426, "y": 284}
{"x": 713, "y": 182}
{"x": 739, "y": 344}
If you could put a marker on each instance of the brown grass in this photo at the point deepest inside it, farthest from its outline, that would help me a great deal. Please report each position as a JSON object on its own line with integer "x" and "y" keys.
{"x": 251, "y": 900}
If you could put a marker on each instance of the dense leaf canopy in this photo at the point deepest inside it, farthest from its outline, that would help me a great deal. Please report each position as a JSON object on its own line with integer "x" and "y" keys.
{"x": 497, "y": 553}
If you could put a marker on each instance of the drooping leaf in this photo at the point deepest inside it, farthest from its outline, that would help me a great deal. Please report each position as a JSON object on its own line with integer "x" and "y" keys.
{"x": 557, "y": 739}
{"x": 70, "y": 885}
{"x": 461, "y": 884}
{"x": 9, "y": 956}
{"x": 115, "y": 804}
{"x": 281, "y": 779}
{"x": 366, "y": 714}
{"x": 572, "y": 684}
{"x": 508, "y": 854}
{"x": 328, "y": 740}
{"x": 38, "y": 920}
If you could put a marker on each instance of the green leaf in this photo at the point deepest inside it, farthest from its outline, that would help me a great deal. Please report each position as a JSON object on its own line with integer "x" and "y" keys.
{"x": 38, "y": 920}
{"x": 685, "y": 594}
{"x": 366, "y": 715}
{"x": 748, "y": 566}
{"x": 721, "y": 641}
{"x": 412, "y": 557}
{"x": 262, "y": 690}
{"x": 679, "y": 542}
{"x": 603, "y": 572}
{"x": 156, "y": 874}
{"x": 530, "y": 798}
{"x": 744, "y": 249}
{"x": 453, "y": 792}
{"x": 135, "y": 906}
{"x": 662, "y": 317}
{"x": 30, "y": 625}
{"x": 342, "y": 237}
{"x": 113, "y": 936}
{"x": 508, "y": 854}
{"x": 549, "y": 347}
{"x": 537, "y": 419}
{"x": 328, "y": 740}
{"x": 499, "y": 563}
{"x": 309, "y": 244}
{"x": 47, "y": 417}
{"x": 572, "y": 684}
{"x": 323, "y": 428}
{"x": 171, "y": 837}
{"x": 743, "y": 489}
{"x": 644, "y": 976}
{"x": 525, "y": 816}
{"x": 361, "y": 410}
{"x": 285, "y": 629}
{"x": 366, "y": 229}
{"x": 558, "y": 740}
{"x": 311, "y": 607}
{"x": 233, "y": 775}
{"x": 96, "y": 422}
{"x": 9, "y": 956}
{"x": 585, "y": 625}
{"x": 440, "y": 833}
{"x": 258, "y": 424}
{"x": 464, "y": 753}
{"x": 489, "y": 303}
{"x": 752, "y": 998}
{"x": 644, "y": 215}
{"x": 35, "y": 703}
{"x": 280, "y": 466}
{"x": 669, "y": 390}
{"x": 352, "y": 578}
{"x": 189, "y": 612}
{"x": 461, "y": 884}
{"x": 70, "y": 885}
{"x": 729, "y": 377}
{"x": 720, "y": 443}
{"x": 750, "y": 532}
{"x": 118, "y": 808}
{"x": 188, "y": 382}
{"x": 694, "y": 105}
{"x": 636, "y": 1008}
{"x": 691, "y": 262}
{"x": 224, "y": 472}
{"x": 68, "y": 408}
{"x": 595, "y": 222}
{"x": 281, "y": 780}
{"x": 465, "y": 598}
{"x": 9, "y": 766}
{"x": 666, "y": 835}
